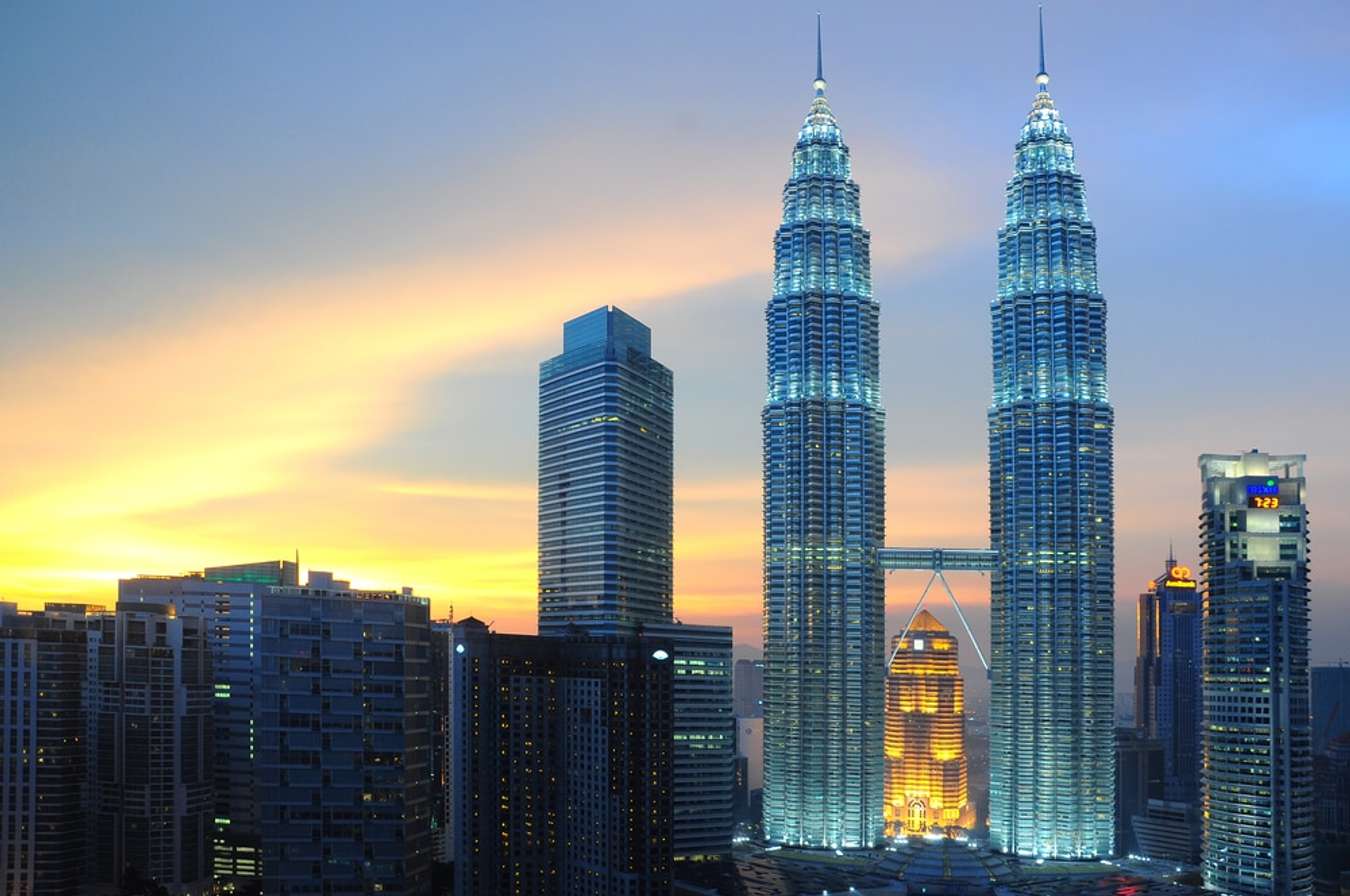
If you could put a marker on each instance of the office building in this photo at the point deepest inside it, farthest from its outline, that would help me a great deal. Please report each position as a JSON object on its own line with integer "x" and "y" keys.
{"x": 1167, "y": 677}
{"x": 156, "y": 744}
{"x": 1166, "y": 831}
{"x": 1330, "y": 705}
{"x": 227, "y": 600}
{"x": 750, "y": 747}
{"x": 343, "y": 750}
{"x": 606, "y": 466}
{"x": 704, "y": 752}
{"x": 1051, "y": 732}
{"x": 926, "y": 772}
{"x": 740, "y": 803}
{"x": 748, "y": 689}
{"x": 43, "y": 758}
{"x": 606, "y": 529}
{"x": 441, "y": 819}
{"x": 704, "y": 738}
{"x": 750, "y": 744}
{"x": 824, "y": 507}
{"x": 90, "y": 622}
{"x": 562, "y": 756}
{"x": 1257, "y": 736}
{"x": 1331, "y": 784}
{"x": 1139, "y": 780}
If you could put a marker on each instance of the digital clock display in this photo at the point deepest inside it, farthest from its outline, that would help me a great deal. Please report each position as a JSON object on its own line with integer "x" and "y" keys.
{"x": 1263, "y": 502}
{"x": 1269, "y": 487}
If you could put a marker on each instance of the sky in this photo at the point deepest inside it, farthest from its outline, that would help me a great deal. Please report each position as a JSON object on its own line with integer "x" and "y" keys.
{"x": 278, "y": 277}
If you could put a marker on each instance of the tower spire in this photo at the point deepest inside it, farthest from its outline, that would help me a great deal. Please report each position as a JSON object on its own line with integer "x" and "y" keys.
{"x": 820, "y": 71}
{"x": 1042, "y": 78}
{"x": 820, "y": 68}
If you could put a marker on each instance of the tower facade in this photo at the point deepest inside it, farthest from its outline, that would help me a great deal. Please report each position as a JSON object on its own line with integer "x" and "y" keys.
{"x": 562, "y": 763}
{"x": 1051, "y": 734}
{"x": 343, "y": 742}
{"x": 1256, "y": 785}
{"x": 156, "y": 749}
{"x": 824, "y": 508}
{"x": 227, "y": 600}
{"x": 606, "y": 536}
{"x": 1167, "y": 677}
{"x": 606, "y": 468}
{"x": 43, "y": 758}
{"x": 926, "y": 771}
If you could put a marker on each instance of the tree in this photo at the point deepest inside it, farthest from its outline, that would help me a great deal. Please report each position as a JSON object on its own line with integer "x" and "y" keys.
{"x": 133, "y": 884}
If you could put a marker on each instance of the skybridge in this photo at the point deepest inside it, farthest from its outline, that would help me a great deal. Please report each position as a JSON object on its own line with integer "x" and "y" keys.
{"x": 939, "y": 561}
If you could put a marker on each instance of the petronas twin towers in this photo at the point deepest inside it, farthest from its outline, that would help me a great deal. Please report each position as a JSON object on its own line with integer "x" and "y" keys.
{"x": 1051, "y": 524}
{"x": 824, "y": 508}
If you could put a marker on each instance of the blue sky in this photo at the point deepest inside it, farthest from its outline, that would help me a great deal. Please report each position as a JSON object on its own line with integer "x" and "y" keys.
{"x": 280, "y": 275}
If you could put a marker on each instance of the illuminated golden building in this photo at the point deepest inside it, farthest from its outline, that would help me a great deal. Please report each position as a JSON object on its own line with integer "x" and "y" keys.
{"x": 925, "y": 733}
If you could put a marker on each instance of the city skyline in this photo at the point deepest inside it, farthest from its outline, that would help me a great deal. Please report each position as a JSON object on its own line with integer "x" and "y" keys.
{"x": 249, "y": 390}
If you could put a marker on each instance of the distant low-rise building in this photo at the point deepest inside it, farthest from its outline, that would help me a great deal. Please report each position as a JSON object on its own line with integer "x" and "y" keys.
{"x": 748, "y": 689}
{"x": 1139, "y": 780}
{"x": 1330, "y": 705}
{"x": 1331, "y": 784}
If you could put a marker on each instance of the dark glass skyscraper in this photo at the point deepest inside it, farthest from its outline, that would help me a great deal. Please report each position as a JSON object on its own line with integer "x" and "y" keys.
{"x": 343, "y": 742}
{"x": 156, "y": 748}
{"x": 606, "y": 467}
{"x": 1167, "y": 677}
{"x": 824, "y": 508}
{"x": 1051, "y": 734}
{"x": 43, "y": 758}
{"x": 606, "y": 533}
{"x": 562, "y": 763}
{"x": 1330, "y": 704}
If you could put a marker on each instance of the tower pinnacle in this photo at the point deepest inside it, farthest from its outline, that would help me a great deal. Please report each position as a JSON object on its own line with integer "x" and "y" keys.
{"x": 1042, "y": 78}
{"x": 820, "y": 69}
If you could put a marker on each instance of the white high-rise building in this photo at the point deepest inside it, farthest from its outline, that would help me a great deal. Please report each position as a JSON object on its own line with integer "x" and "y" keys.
{"x": 1256, "y": 742}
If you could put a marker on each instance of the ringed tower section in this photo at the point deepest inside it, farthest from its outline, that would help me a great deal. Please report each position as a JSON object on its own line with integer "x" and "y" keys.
{"x": 824, "y": 501}
{"x": 1052, "y": 742}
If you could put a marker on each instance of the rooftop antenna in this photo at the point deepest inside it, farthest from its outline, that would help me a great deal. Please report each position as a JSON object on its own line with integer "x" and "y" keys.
{"x": 820, "y": 67}
{"x": 1042, "y": 77}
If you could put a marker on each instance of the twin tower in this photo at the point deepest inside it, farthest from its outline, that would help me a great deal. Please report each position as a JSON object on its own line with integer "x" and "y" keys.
{"x": 1052, "y": 744}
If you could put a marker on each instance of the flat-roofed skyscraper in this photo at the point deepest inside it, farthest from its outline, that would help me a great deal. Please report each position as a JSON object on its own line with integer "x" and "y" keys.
{"x": 606, "y": 467}
{"x": 1256, "y": 783}
{"x": 824, "y": 508}
{"x": 1051, "y": 733}
{"x": 562, "y": 755}
{"x": 43, "y": 758}
{"x": 228, "y": 599}
{"x": 155, "y": 750}
{"x": 606, "y": 533}
{"x": 343, "y": 739}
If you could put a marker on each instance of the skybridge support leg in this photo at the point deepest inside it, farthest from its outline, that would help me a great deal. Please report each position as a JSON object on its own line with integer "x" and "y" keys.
{"x": 912, "y": 615}
{"x": 962, "y": 616}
